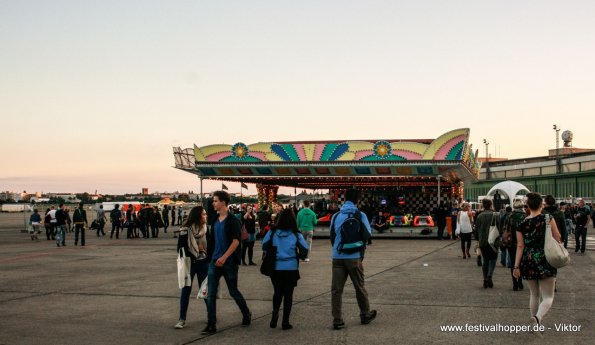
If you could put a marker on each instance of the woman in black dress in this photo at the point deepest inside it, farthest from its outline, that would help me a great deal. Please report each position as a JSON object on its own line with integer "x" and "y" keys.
{"x": 530, "y": 261}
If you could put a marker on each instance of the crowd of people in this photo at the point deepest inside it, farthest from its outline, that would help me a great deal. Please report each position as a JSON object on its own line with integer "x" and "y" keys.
{"x": 521, "y": 241}
{"x": 214, "y": 241}
{"x": 218, "y": 238}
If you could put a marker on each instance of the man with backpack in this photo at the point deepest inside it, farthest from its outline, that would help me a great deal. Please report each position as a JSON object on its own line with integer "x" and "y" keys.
{"x": 350, "y": 230}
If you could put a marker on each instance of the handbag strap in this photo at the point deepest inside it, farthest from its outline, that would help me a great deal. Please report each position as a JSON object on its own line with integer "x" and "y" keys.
{"x": 494, "y": 214}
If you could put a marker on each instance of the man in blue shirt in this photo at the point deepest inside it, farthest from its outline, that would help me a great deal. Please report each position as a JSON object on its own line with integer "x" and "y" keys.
{"x": 223, "y": 246}
{"x": 349, "y": 264}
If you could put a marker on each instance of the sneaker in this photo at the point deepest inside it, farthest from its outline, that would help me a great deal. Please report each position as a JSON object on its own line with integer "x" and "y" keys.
{"x": 368, "y": 318}
{"x": 247, "y": 320}
{"x": 210, "y": 329}
{"x": 339, "y": 325}
{"x": 181, "y": 324}
{"x": 307, "y": 260}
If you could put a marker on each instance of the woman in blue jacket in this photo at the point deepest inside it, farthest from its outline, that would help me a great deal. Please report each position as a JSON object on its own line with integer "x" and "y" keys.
{"x": 288, "y": 241}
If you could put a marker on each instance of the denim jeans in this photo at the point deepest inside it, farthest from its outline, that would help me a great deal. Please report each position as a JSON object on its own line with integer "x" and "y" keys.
{"x": 488, "y": 267}
{"x": 580, "y": 237}
{"x": 229, "y": 271}
{"x": 61, "y": 234}
{"x": 198, "y": 268}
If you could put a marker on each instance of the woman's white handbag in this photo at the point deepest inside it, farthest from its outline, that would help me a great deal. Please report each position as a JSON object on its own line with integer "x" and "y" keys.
{"x": 184, "y": 278}
{"x": 494, "y": 234}
{"x": 555, "y": 253}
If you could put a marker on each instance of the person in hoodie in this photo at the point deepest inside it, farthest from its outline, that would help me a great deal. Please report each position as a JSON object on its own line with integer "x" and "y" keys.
{"x": 351, "y": 265}
{"x": 306, "y": 220}
{"x": 287, "y": 239}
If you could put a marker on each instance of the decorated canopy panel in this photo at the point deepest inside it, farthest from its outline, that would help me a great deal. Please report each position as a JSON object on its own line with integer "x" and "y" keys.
{"x": 290, "y": 162}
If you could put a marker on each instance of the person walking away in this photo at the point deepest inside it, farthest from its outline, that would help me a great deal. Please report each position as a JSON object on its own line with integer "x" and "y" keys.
{"x": 193, "y": 239}
{"x": 264, "y": 218}
{"x": 582, "y": 216}
{"x": 551, "y": 209}
{"x": 61, "y": 226}
{"x": 349, "y": 221}
{"x": 249, "y": 220}
{"x": 180, "y": 215}
{"x": 224, "y": 251}
{"x": 79, "y": 218}
{"x": 116, "y": 219}
{"x": 156, "y": 222}
{"x": 440, "y": 216}
{"x": 69, "y": 227}
{"x": 47, "y": 223}
{"x": 130, "y": 218}
{"x": 511, "y": 226}
{"x": 288, "y": 241}
{"x": 101, "y": 219}
{"x": 505, "y": 261}
{"x": 173, "y": 215}
{"x": 530, "y": 262}
{"x": 165, "y": 217}
{"x": 489, "y": 254}
{"x": 53, "y": 222}
{"x": 465, "y": 225}
{"x": 35, "y": 222}
{"x": 306, "y": 220}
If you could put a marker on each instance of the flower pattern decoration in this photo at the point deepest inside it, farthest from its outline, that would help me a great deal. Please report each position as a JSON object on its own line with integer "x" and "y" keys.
{"x": 239, "y": 151}
{"x": 382, "y": 149}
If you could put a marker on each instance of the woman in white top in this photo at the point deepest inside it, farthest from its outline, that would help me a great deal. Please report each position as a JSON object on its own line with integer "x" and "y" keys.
{"x": 465, "y": 225}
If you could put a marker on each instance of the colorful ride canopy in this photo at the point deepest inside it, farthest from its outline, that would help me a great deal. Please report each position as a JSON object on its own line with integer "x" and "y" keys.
{"x": 329, "y": 164}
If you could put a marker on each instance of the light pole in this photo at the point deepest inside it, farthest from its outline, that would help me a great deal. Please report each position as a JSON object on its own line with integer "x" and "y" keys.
{"x": 487, "y": 159}
{"x": 438, "y": 178}
{"x": 557, "y": 130}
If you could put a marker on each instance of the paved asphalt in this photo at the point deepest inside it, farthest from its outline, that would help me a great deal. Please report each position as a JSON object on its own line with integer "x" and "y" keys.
{"x": 125, "y": 292}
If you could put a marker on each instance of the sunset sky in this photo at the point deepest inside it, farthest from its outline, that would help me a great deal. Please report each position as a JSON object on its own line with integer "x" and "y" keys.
{"x": 94, "y": 94}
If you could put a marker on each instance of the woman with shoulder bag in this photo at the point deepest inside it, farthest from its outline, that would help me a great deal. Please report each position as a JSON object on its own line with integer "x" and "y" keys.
{"x": 193, "y": 239}
{"x": 288, "y": 241}
{"x": 530, "y": 262}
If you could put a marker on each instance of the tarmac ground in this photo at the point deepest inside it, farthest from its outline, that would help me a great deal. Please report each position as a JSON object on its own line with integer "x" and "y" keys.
{"x": 125, "y": 292}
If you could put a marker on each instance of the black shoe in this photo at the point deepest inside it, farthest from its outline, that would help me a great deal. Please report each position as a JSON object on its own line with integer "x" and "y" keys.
{"x": 286, "y": 326}
{"x": 210, "y": 329}
{"x": 485, "y": 284}
{"x": 247, "y": 320}
{"x": 252, "y": 264}
{"x": 490, "y": 282}
{"x": 520, "y": 285}
{"x": 368, "y": 318}
{"x": 244, "y": 263}
{"x": 339, "y": 325}
{"x": 274, "y": 319}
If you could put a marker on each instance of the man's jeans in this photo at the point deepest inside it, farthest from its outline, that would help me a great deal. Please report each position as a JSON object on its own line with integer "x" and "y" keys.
{"x": 580, "y": 236}
{"x": 229, "y": 271}
{"x": 355, "y": 270}
{"x": 309, "y": 234}
{"x": 61, "y": 234}
{"x": 79, "y": 228}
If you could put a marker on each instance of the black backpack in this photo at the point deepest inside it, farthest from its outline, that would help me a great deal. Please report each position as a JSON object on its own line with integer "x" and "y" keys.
{"x": 354, "y": 235}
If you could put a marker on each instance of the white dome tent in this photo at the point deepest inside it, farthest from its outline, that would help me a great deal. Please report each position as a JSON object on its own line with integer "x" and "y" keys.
{"x": 510, "y": 189}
